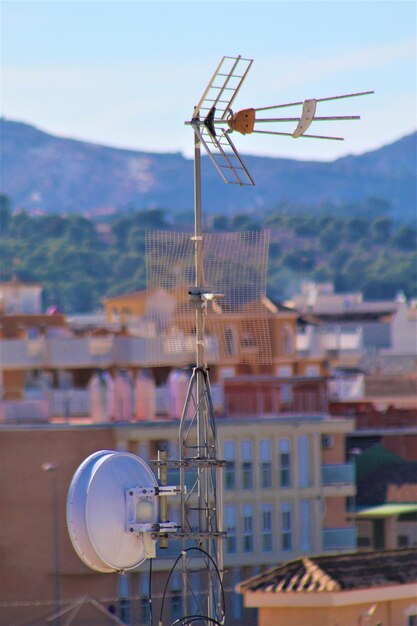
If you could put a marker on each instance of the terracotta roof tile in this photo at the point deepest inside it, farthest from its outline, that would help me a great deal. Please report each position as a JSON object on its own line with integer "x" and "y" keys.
{"x": 338, "y": 572}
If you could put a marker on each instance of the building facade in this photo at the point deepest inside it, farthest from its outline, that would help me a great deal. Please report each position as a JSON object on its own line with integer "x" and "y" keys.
{"x": 285, "y": 486}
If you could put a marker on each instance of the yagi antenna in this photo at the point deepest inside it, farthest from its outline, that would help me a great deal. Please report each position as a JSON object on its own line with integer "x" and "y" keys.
{"x": 214, "y": 120}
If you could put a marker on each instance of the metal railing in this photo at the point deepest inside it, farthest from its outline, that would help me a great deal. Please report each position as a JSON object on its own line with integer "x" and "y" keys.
{"x": 338, "y": 474}
{"x": 339, "y": 538}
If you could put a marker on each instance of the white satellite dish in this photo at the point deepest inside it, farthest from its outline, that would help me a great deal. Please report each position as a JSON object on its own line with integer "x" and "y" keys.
{"x": 104, "y": 523}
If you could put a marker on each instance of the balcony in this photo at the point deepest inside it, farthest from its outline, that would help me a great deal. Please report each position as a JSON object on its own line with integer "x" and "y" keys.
{"x": 23, "y": 411}
{"x": 349, "y": 388}
{"x": 339, "y": 538}
{"x": 100, "y": 352}
{"x": 338, "y": 474}
{"x": 338, "y": 480}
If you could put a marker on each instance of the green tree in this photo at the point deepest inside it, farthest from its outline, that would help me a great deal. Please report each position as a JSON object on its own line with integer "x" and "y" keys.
{"x": 220, "y": 222}
{"x": 357, "y": 228}
{"x": 381, "y": 229}
{"x": 406, "y": 238}
{"x": 244, "y": 222}
{"x": 22, "y": 226}
{"x": 5, "y": 213}
{"x": 331, "y": 236}
{"x": 300, "y": 260}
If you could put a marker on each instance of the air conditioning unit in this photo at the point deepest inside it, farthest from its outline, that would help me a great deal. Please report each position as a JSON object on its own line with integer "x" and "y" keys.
{"x": 326, "y": 441}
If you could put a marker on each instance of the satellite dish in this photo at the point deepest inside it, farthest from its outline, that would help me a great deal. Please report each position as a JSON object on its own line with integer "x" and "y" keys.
{"x": 98, "y": 522}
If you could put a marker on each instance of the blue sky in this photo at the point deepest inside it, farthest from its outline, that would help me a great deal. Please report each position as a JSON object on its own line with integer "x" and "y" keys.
{"x": 128, "y": 73}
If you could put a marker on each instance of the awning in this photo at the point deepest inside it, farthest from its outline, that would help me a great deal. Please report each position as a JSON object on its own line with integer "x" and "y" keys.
{"x": 386, "y": 510}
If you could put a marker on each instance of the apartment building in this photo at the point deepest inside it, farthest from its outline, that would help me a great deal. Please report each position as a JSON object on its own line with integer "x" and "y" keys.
{"x": 48, "y": 361}
{"x": 285, "y": 482}
{"x": 285, "y": 486}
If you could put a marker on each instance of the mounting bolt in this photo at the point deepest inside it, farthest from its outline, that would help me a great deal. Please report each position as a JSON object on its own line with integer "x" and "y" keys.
{"x": 130, "y": 493}
{"x": 131, "y": 530}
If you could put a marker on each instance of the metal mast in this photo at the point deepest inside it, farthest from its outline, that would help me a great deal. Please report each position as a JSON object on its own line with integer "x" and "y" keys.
{"x": 201, "y": 507}
{"x": 213, "y": 121}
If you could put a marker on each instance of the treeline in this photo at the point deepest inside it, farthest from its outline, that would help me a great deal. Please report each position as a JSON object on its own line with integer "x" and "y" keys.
{"x": 79, "y": 261}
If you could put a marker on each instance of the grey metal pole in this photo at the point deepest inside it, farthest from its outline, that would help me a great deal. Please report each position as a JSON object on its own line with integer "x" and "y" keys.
{"x": 200, "y": 384}
{"x": 52, "y": 469}
{"x": 198, "y": 247}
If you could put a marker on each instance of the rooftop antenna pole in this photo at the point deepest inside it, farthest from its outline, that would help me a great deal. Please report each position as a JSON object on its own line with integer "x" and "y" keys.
{"x": 198, "y": 445}
{"x": 213, "y": 121}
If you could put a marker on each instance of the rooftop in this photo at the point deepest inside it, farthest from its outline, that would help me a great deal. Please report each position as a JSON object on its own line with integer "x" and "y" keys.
{"x": 341, "y": 572}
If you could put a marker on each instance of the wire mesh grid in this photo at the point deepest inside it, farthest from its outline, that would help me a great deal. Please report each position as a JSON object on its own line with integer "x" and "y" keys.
{"x": 236, "y": 324}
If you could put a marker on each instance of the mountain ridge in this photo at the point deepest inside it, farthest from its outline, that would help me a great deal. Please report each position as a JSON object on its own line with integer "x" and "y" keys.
{"x": 44, "y": 172}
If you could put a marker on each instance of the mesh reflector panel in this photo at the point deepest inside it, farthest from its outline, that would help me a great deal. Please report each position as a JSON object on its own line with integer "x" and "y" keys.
{"x": 236, "y": 325}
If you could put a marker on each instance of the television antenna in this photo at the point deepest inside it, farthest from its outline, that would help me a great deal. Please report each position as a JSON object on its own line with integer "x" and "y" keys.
{"x": 120, "y": 537}
{"x": 214, "y": 120}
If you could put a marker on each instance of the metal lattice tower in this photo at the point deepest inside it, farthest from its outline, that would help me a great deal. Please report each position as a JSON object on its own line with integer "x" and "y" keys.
{"x": 213, "y": 121}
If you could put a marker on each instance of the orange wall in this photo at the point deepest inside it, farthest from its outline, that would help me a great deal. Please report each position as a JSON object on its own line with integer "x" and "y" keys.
{"x": 13, "y": 384}
{"x": 389, "y": 613}
{"x": 26, "y": 556}
{"x": 335, "y": 454}
{"x": 335, "y": 513}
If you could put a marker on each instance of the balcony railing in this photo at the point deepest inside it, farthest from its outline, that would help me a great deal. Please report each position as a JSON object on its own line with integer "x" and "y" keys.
{"x": 338, "y": 474}
{"x": 70, "y": 403}
{"x": 24, "y": 411}
{"x": 339, "y": 538}
{"x": 103, "y": 352}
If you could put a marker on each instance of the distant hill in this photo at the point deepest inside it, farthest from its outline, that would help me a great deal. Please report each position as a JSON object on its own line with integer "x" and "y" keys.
{"x": 40, "y": 171}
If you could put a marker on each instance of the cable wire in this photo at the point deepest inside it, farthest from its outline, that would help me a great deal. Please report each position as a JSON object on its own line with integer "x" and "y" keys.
{"x": 186, "y": 620}
{"x": 150, "y": 593}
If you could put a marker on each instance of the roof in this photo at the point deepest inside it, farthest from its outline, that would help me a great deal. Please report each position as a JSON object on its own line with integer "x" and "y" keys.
{"x": 387, "y": 510}
{"x": 338, "y": 573}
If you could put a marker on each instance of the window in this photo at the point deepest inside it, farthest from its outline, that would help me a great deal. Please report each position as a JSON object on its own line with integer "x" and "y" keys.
{"x": 196, "y": 598}
{"x": 305, "y": 525}
{"x": 144, "y": 599}
{"x": 247, "y": 474}
{"x": 237, "y": 598}
{"x": 286, "y": 393}
{"x": 312, "y": 370}
{"x": 248, "y": 341}
{"x": 403, "y": 541}
{"x": 286, "y": 340}
{"x": 364, "y": 542}
{"x": 230, "y": 457}
{"x": 229, "y": 342}
{"x": 176, "y": 596}
{"x": 266, "y": 527}
{"x": 303, "y": 461}
{"x": 230, "y": 518}
{"x": 226, "y": 372}
{"x": 247, "y": 528}
{"x": 284, "y": 370}
{"x": 285, "y": 462}
{"x": 286, "y": 526}
{"x": 410, "y": 615}
{"x": 265, "y": 465}
{"x": 124, "y": 597}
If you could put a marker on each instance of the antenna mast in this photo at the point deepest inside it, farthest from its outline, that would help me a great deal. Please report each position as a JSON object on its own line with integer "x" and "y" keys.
{"x": 121, "y": 536}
